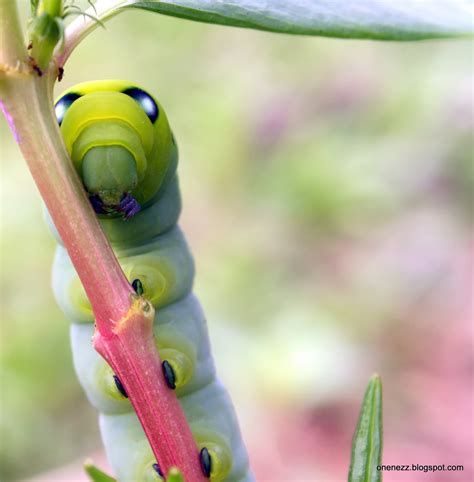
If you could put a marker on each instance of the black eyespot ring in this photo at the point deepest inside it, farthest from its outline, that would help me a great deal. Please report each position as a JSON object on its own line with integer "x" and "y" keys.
{"x": 63, "y": 104}
{"x": 145, "y": 101}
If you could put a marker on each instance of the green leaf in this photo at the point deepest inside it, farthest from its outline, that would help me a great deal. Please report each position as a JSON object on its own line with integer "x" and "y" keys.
{"x": 371, "y": 19}
{"x": 95, "y": 474}
{"x": 367, "y": 441}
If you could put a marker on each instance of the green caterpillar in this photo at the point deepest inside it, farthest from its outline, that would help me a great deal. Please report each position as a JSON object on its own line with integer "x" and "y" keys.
{"x": 121, "y": 144}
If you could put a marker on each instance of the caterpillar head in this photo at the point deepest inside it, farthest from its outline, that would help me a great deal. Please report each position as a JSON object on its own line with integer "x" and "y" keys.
{"x": 120, "y": 142}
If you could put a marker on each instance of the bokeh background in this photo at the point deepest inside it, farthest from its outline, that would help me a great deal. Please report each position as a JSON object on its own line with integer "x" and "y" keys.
{"x": 328, "y": 190}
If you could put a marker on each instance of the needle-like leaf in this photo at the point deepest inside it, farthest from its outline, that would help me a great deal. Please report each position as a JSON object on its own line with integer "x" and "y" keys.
{"x": 95, "y": 474}
{"x": 367, "y": 440}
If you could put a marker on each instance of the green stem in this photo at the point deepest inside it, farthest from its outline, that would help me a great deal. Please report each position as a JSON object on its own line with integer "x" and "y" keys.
{"x": 13, "y": 55}
{"x": 53, "y": 7}
{"x": 83, "y": 25}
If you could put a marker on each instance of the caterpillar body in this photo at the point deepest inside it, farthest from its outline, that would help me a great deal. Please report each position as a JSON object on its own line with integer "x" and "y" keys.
{"x": 121, "y": 145}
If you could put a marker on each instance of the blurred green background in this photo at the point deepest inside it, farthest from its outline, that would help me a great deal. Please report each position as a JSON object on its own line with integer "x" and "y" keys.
{"x": 327, "y": 189}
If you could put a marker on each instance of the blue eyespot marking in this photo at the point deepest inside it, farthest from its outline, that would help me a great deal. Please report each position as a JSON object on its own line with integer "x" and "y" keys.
{"x": 63, "y": 104}
{"x": 145, "y": 101}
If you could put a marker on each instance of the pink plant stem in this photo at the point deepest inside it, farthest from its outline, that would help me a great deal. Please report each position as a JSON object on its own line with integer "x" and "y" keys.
{"x": 124, "y": 335}
{"x": 131, "y": 351}
{"x": 124, "y": 321}
{"x": 29, "y": 107}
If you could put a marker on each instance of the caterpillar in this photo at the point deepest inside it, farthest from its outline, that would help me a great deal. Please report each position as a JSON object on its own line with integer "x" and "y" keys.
{"x": 122, "y": 147}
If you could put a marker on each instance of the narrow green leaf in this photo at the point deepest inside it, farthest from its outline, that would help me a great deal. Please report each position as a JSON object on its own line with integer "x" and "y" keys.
{"x": 371, "y": 19}
{"x": 367, "y": 441}
{"x": 95, "y": 474}
{"x": 174, "y": 475}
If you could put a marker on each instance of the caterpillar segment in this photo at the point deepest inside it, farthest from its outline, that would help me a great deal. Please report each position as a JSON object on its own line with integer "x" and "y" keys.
{"x": 122, "y": 147}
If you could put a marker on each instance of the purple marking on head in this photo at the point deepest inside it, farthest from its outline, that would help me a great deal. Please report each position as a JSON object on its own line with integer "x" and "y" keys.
{"x": 10, "y": 121}
{"x": 157, "y": 469}
{"x": 129, "y": 206}
{"x": 97, "y": 204}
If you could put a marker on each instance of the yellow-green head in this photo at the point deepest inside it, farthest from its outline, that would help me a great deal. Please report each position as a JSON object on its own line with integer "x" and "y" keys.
{"x": 120, "y": 142}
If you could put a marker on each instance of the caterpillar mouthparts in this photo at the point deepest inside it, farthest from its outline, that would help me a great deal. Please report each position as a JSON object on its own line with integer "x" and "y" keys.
{"x": 127, "y": 206}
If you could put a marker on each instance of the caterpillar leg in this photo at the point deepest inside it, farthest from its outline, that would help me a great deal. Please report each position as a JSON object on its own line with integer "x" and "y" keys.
{"x": 164, "y": 266}
{"x": 181, "y": 338}
{"x": 217, "y": 437}
{"x": 210, "y": 414}
{"x": 128, "y": 206}
{"x": 181, "y": 333}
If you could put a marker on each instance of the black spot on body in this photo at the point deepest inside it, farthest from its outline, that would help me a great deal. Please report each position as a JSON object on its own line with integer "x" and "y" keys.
{"x": 145, "y": 101}
{"x": 137, "y": 286}
{"x": 206, "y": 462}
{"x": 169, "y": 375}
{"x": 120, "y": 387}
